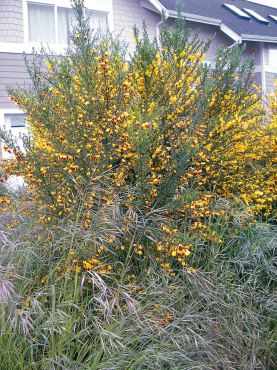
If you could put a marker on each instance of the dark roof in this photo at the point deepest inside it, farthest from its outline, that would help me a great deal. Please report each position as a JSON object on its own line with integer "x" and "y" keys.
{"x": 215, "y": 9}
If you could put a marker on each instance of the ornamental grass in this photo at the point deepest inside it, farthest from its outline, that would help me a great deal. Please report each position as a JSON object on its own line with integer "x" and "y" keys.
{"x": 143, "y": 236}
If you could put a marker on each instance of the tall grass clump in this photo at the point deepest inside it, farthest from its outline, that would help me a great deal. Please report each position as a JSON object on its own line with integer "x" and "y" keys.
{"x": 144, "y": 235}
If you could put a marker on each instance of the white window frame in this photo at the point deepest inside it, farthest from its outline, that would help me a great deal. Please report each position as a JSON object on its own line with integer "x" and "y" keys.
{"x": 272, "y": 56}
{"x": 4, "y": 111}
{"x": 17, "y": 130}
{"x": 105, "y": 6}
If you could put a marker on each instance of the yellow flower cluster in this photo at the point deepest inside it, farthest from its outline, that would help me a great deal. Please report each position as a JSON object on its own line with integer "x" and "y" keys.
{"x": 73, "y": 263}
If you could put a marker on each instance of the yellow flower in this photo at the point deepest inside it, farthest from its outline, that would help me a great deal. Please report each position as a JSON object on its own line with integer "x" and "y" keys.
{"x": 87, "y": 265}
{"x": 173, "y": 99}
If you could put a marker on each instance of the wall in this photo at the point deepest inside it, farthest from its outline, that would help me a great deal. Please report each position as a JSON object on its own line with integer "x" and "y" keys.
{"x": 11, "y": 21}
{"x": 271, "y": 79}
{"x": 253, "y": 49}
{"x": 258, "y": 78}
{"x": 209, "y": 32}
{"x": 128, "y": 13}
{"x": 12, "y": 72}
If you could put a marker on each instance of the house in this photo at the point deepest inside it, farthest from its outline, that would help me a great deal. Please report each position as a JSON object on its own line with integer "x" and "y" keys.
{"x": 28, "y": 23}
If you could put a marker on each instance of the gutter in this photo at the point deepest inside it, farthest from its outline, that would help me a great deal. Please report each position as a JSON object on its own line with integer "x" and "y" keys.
{"x": 195, "y": 18}
{"x": 158, "y": 6}
{"x": 233, "y": 35}
{"x": 259, "y": 38}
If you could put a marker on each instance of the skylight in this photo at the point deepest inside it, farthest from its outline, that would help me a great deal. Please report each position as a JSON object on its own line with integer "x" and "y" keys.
{"x": 256, "y": 16}
{"x": 274, "y": 17}
{"x": 237, "y": 11}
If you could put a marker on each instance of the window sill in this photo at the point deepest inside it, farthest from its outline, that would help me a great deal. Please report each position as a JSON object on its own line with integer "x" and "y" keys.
{"x": 19, "y": 48}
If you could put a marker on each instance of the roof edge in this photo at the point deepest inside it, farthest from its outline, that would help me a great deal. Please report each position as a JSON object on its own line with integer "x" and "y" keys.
{"x": 229, "y": 32}
{"x": 207, "y": 20}
{"x": 258, "y": 38}
{"x": 195, "y": 17}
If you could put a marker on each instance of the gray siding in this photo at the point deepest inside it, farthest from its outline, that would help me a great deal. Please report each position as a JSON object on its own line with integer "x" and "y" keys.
{"x": 12, "y": 73}
{"x": 270, "y": 81}
{"x": 11, "y": 21}
{"x": 126, "y": 14}
{"x": 209, "y": 32}
{"x": 258, "y": 78}
{"x": 253, "y": 50}
{"x": 220, "y": 39}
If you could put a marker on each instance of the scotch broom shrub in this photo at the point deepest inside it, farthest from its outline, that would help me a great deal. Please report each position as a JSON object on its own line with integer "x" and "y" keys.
{"x": 157, "y": 130}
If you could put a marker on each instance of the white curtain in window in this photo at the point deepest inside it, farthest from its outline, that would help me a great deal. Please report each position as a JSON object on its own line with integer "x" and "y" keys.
{"x": 98, "y": 20}
{"x": 66, "y": 22}
{"x": 41, "y": 23}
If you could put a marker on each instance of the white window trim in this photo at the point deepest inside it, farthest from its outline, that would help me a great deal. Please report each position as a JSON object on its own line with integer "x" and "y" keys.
{"x": 267, "y": 68}
{"x": 96, "y": 5}
{"x": 2, "y": 125}
{"x": 4, "y": 111}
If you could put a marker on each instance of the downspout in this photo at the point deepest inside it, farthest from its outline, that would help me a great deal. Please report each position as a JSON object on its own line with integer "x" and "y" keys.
{"x": 159, "y": 25}
{"x": 263, "y": 68}
{"x": 238, "y": 42}
{"x": 164, "y": 15}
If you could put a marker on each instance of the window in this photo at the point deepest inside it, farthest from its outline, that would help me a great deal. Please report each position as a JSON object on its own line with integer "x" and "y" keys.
{"x": 14, "y": 120}
{"x": 53, "y": 24}
{"x": 273, "y": 17}
{"x": 98, "y": 20}
{"x": 273, "y": 58}
{"x": 256, "y": 16}
{"x": 66, "y": 22}
{"x": 41, "y": 23}
{"x": 237, "y": 11}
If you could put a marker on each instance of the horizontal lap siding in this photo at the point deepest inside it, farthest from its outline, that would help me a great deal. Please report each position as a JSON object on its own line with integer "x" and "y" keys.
{"x": 213, "y": 34}
{"x": 271, "y": 79}
{"x": 12, "y": 73}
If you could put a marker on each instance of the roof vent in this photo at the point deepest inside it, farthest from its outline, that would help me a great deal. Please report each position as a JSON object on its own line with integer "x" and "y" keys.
{"x": 256, "y": 16}
{"x": 237, "y": 11}
{"x": 274, "y": 17}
